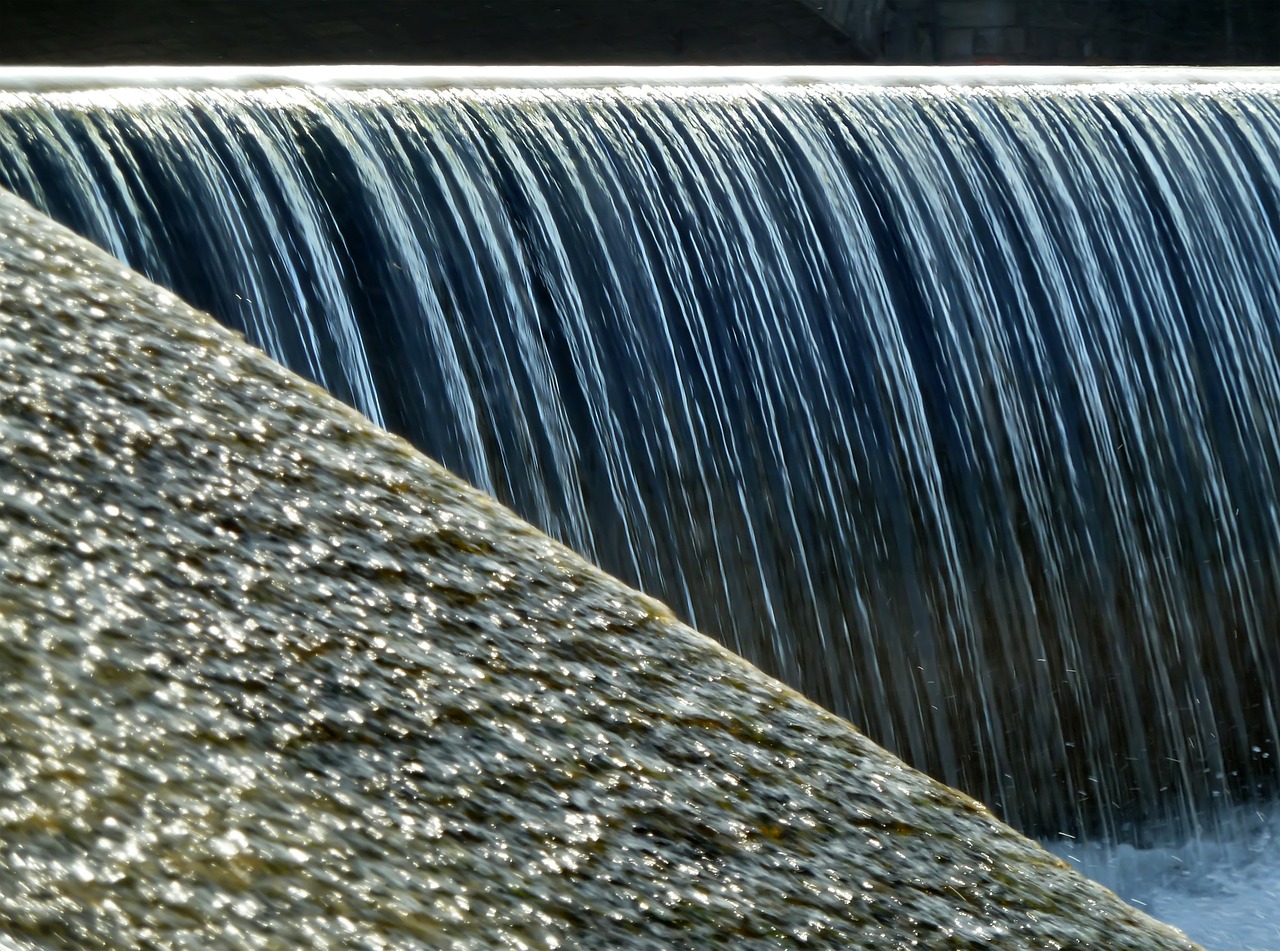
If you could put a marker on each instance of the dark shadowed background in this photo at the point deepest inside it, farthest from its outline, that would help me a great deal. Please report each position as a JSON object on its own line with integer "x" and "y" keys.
{"x": 417, "y": 31}
{"x": 266, "y": 32}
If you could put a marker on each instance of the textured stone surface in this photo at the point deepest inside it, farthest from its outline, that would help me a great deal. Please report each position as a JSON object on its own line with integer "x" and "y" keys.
{"x": 271, "y": 679}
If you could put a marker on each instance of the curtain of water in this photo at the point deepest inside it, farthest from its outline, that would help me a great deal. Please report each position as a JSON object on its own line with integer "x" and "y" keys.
{"x": 954, "y": 408}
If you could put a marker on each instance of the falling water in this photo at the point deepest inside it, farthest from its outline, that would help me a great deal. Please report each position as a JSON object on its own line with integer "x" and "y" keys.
{"x": 955, "y": 407}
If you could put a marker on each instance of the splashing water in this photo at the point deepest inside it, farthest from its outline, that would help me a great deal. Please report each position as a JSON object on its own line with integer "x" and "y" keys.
{"x": 954, "y": 407}
{"x": 1222, "y": 889}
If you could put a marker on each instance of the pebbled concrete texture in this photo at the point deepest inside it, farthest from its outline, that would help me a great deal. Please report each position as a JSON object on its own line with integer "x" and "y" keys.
{"x": 273, "y": 679}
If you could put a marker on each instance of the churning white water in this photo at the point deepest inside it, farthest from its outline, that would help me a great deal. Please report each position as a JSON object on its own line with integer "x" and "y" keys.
{"x": 1222, "y": 889}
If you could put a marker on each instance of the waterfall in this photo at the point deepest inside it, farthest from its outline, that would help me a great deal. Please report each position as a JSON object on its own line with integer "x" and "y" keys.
{"x": 953, "y": 406}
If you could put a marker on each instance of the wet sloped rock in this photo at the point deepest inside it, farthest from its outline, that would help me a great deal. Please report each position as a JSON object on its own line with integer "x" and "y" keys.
{"x": 271, "y": 679}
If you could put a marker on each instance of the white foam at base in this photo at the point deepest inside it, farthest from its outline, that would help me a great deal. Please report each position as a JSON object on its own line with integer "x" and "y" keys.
{"x": 1223, "y": 889}
{"x": 48, "y": 78}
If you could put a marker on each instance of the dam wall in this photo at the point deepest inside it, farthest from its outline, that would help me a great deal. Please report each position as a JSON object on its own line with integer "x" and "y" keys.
{"x": 291, "y": 32}
{"x": 1075, "y": 32}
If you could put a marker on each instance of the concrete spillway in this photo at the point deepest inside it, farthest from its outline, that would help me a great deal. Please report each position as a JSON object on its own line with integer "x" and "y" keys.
{"x": 273, "y": 679}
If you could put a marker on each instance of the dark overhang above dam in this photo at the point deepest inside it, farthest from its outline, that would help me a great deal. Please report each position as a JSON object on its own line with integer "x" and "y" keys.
{"x": 116, "y": 32}
{"x": 638, "y": 32}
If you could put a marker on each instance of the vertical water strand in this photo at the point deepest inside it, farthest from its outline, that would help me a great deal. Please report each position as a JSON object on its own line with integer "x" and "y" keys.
{"x": 1034, "y": 429}
{"x": 1252, "y": 124}
{"x": 884, "y": 382}
{"x": 1194, "y": 574}
{"x": 883, "y": 152}
{"x": 962, "y": 296}
{"x": 800, "y": 368}
{"x": 1234, "y": 280}
{"x": 788, "y": 370}
{"x": 196, "y": 229}
{"x": 1005, "y": 355}
{"x": 1154, "y": 352}
{"x": 747, "y": 323}
{"x": 633, "y": 319}
{"x": 694, "y": 392}
{"x": 403, "y": 236}
{"x": 652, "y": 325}
{"x": 503, "y": 287}
{"x": 644, "y": 300}
{"x": 258, "y": 149}
{"x": 545, "y": 185}
{"x": 44, "y": 161}
{"x": 1097, "y": 398}
{"x": 724, "y": 201}
{"x": 845, "y": 534}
